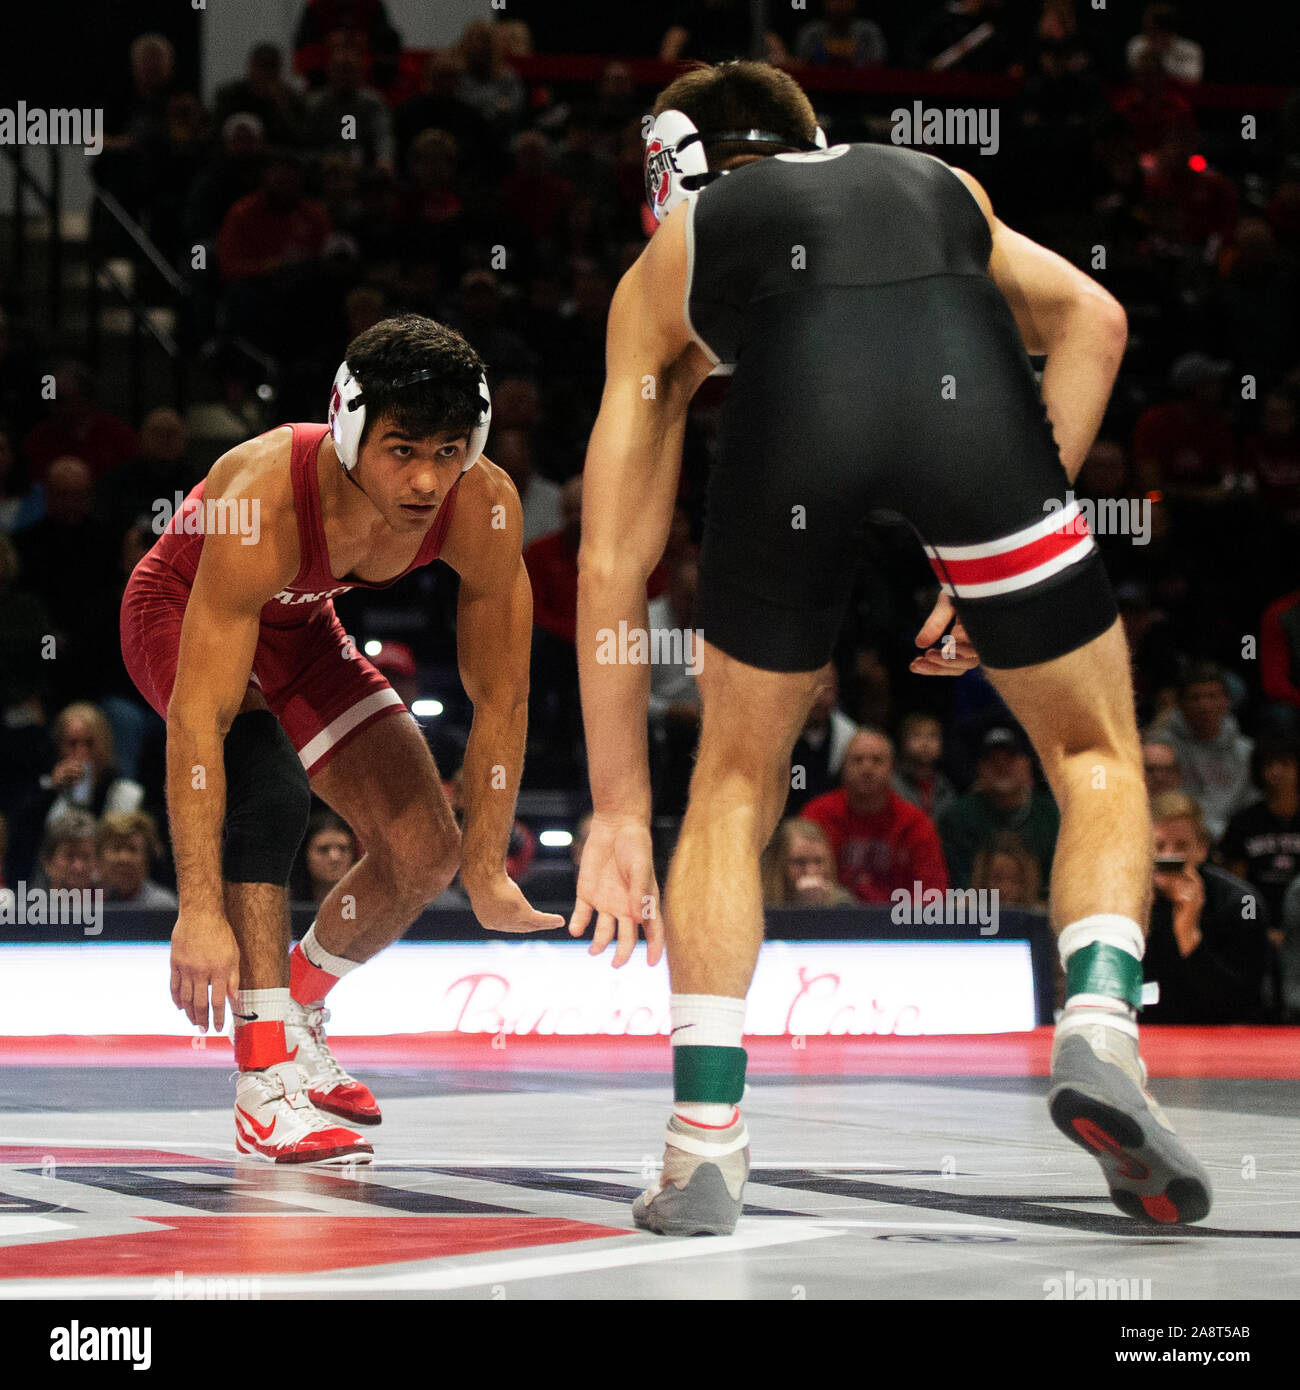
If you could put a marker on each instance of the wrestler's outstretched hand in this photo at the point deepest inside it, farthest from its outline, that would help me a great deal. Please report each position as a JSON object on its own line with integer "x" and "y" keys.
{"x": 616, "y": 882}
{"x": 499, "y": 905}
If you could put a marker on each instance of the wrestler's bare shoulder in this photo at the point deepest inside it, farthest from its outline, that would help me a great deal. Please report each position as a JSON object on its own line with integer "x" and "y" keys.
{"x": 258, "y": 467}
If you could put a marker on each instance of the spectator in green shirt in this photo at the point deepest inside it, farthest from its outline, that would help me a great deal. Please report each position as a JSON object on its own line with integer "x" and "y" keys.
{"x": 1003, "y": 797}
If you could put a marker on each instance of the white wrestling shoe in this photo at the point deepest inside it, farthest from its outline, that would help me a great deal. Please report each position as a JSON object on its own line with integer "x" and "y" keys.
{"x": 701, "y": 1191}
{"x": 328, "y": 1086}
{"x": 275, "y": 1122}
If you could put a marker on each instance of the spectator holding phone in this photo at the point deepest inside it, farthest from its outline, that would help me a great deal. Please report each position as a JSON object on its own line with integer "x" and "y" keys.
{"x": 1208, "y": 947}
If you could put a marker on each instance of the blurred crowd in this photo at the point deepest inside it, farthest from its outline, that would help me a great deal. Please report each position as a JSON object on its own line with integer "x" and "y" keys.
{"x": 346, "y": 179}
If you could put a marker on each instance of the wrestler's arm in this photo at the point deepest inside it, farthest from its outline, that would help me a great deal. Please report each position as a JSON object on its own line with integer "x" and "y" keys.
{"x": 1067, "y": 315}
{"x": 494, "y": 628}
{"x": 652, "y": 369}
{"x": 218, "y": 639}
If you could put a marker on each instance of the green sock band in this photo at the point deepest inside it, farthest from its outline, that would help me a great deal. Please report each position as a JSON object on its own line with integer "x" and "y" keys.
{"x": 709, "y": 1075}
{"x": 1101, "y": 969}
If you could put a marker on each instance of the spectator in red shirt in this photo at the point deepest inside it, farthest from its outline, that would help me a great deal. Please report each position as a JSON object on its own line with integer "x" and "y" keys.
{"x": 1191, "y": 207}
{"x": 1279, "y": 659}
{"x": 269, "y": 251}
{"x": 531, "y": 194}
{"x": 76, "y": 426}
{"x": 273, "y": 229}
{"x": 881, "y": 842}
{"x": 1185, "y": 447}
{"x": 554, "y": 716}
{"x": 552, "y": 564}
{"x": 1153, "y": 106}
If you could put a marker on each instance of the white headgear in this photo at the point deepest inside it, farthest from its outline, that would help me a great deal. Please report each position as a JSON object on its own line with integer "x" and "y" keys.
{"x": 347, "y": 415}
{"x": 675, "y": 165}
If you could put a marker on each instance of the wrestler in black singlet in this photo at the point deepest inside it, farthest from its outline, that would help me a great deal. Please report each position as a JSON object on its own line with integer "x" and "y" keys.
{"x": 849, "y": 287}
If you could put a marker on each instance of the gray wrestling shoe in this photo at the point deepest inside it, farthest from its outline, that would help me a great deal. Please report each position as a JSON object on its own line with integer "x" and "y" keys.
{"x": 1100, "y": 1102}
{"x": 702, "y": 1187}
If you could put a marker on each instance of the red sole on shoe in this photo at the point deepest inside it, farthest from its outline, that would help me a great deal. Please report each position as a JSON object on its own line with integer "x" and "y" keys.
{"x": 352, "y": 1116}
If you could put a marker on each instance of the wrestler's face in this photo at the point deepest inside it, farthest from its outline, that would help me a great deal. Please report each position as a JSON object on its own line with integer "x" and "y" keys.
{"x": 405, "y": 477}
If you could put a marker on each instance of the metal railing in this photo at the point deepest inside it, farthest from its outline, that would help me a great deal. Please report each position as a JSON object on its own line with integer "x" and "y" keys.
{"x": 179, "y": 346}
{"x": 144, "y": 256}
{"x": 50, "y": 198}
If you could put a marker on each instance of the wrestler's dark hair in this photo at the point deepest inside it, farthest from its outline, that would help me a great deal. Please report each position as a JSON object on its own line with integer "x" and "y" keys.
{"x": 447, "y": 403}
{"x": 739, "y": 96}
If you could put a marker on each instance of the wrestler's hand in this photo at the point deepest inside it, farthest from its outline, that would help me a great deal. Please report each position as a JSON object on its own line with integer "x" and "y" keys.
{"x": 204, "y": 956}
{"x": 616, "y": 881}
{"x": 954, "y": 655}
{"x": 500, "y": 905}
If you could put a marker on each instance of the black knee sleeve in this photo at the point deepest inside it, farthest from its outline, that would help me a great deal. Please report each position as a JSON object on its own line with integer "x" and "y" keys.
{"x": 268, "y": 800}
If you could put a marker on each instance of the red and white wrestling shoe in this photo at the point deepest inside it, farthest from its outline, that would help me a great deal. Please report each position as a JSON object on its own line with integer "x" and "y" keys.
{"x": 328, "y": 1086}
{"x": 277, "y": 1123}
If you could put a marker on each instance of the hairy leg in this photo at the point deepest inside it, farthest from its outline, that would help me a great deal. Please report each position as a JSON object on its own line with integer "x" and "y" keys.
{"x": 258, "y": 914}
{"x": 386, "y": 786}
{"x": 1078, "y": 712}
{"x": 713, "y": 906}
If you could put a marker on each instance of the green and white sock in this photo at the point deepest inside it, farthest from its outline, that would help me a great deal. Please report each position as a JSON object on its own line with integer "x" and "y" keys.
{"x": 708, "y": 1059}
{"x": 1102, "y": 958}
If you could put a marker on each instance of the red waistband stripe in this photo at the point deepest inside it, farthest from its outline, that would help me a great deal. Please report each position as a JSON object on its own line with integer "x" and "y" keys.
{"x": 1018, "y": 561}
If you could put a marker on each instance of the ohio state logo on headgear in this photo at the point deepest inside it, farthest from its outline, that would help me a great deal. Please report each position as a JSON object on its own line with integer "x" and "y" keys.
{"x": 659, "y": 160}
{"x": 336, "y": 401}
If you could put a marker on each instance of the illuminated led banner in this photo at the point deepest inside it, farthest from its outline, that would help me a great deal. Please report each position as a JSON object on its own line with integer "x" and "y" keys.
{"x": 809, "y": 988}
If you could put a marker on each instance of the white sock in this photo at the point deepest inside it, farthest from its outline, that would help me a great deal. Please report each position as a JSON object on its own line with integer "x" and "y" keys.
{"x": 261, "y": 1006}
{"x": 707, "y": 1020}
{"x": 318, "y": 956}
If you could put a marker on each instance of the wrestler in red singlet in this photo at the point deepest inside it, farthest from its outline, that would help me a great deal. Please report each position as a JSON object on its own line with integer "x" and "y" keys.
{"x": 229, "y": 631}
